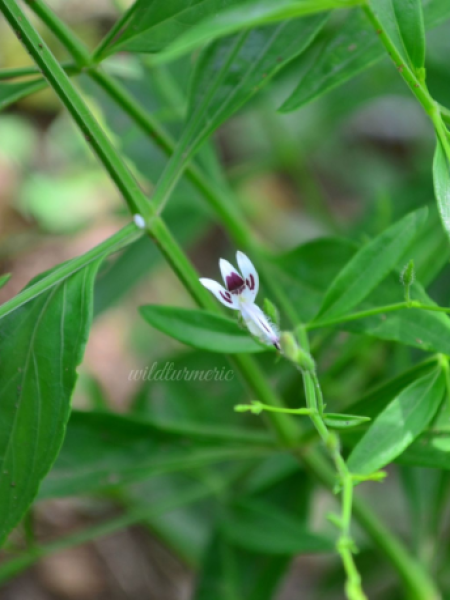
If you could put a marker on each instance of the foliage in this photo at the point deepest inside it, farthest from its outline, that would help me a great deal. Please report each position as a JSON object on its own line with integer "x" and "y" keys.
{"x": 359, "y": 377}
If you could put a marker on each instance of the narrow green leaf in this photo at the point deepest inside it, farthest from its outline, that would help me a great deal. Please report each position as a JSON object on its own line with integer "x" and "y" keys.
{"x": 244, "y": 16}
{"x": 4, "y": 279}
{"x": 231, "y": 71}
{"x": 201, "y": 329}
{"x": 41, "y": 345}
{"x": 103, "y": 450}
{"x": 305, "y": 273}
{"x": 345, "y": 51}
{"x": 431, "y": 449}
{"x": 375, "y": 401}
{"x": 342, "y": 421}
{"x": 399, "y": 424}
{"x": 270, "y": 531}
{"x": 230, "y": 573}
{"x": 441, "y": 179}
{"x": 370, "y": 265}
{"x": 154, "y": 25}
{"x": 387, "y": 15}
{"x": 12, "y": 92}
{"x": 426, "y": 330}
{"x": 409, "y": 14}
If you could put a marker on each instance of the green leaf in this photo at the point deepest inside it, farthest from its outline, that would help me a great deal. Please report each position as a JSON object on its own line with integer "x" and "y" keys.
{"x": 12, "y": 92}
{"x": 155, "y": 25}
{"x": 201, "y": 329}
{"x": 375, "y": 401}
{"x": 342, "y": 421}
{"x": 229, "y": 573}
{"x": 431, "y": 449}
{"x": 399, "y": 424}
{"x": 426, "y": 330}
{"x": 4, "y": 279}
{"x": 231, "y": 71}
{"x": 345, "y": 51}
{"x": 409, "y": 15}
{"x": 103, "y": 450}
{"x": 441, "y": 179}
{"x": 270, "y": 531}
{"x": 245, "y": 16}
{"x": 41, "y": 345}
{"x": 305, "y": 272}
{"x": 370, "y": 265}
{"x": 387, "y": 15}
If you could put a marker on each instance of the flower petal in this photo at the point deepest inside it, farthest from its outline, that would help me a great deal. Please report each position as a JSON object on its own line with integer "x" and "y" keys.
{"x": 233, "y": 280}
{"x": 249, "y": 273}
{"x": 259, "y": 325}
{"x": 220, "y": 293}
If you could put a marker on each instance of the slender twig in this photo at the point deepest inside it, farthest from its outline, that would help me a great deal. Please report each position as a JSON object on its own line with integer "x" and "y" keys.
{"x": 379, "y": 310}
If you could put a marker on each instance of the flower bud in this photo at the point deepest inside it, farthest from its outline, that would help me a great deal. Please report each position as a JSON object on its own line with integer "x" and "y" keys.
{"x": 271, "y": 311}
{"x": 294, "y": 353}
{"x": 408, "y": 274}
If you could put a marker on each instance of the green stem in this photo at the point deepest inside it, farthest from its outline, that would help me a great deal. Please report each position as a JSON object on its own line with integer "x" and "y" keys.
{"x": 63, "y": 87}
{"x": 345, "y": 543}
{"x": 99, "y": 52}
{"x": 375, "y": 311}
{"x": 416, "y": 85}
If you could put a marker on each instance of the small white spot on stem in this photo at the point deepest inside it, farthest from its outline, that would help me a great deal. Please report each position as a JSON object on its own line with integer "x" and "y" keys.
{"x": 139, "y": 221}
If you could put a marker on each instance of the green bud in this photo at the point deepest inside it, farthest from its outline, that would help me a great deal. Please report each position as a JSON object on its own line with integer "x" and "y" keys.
{"x": 294, "y": 353}
{"x": 408, "y": 274}
{"x": 271, "y": 311}
{"x": 289, "y": 345}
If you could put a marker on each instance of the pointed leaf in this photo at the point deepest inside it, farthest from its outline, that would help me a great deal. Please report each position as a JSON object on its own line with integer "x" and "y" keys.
{"x": 342, "y": 421}
{"x": 201, "y": 329}
{"x": 231, "y": 71}
{"x": 4, "y": 279}
{"x": 346, "y": 51}
{"x": 229, "y": 573}
{"x": 270, "y": 531}
{"x": 244, "y": 16}
{"x": 370, "y": 265}
{"x": 41, "y": 345}
{"x": 12, "y": 92}
{"x": 409, "y": 15}
{"x": 103, "y": 450}
{"x": 441, "y": 178}
{"x": 399, "y": 424}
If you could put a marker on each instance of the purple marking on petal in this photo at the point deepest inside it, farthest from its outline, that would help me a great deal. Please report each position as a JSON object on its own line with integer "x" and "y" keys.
{"x": 251, "y": 284}
{"x": 234, "y": 281}
{"x": 226, "y": 296}
{"x": 264, "y": 326}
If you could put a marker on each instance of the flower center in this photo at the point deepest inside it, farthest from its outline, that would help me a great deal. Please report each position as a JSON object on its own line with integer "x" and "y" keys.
{"x": 235, "y": 283}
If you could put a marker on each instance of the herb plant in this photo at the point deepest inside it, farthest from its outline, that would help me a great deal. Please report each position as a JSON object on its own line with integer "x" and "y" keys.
{"x": 340, "y": 343}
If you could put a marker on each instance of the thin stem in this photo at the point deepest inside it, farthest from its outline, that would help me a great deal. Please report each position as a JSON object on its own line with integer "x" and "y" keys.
{"x": 219, "y": 199}
{"x": 345, "y": 543}
{"x": 99, "y": 52}
{"x": 63, "y": 87}
{"x": 415, "y": 81}
{"x": 415, "y": 84}
{"x": 379, "y": 310}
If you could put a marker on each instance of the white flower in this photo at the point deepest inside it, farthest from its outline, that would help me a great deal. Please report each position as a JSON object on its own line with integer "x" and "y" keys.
{"x": 239, "y": 293}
